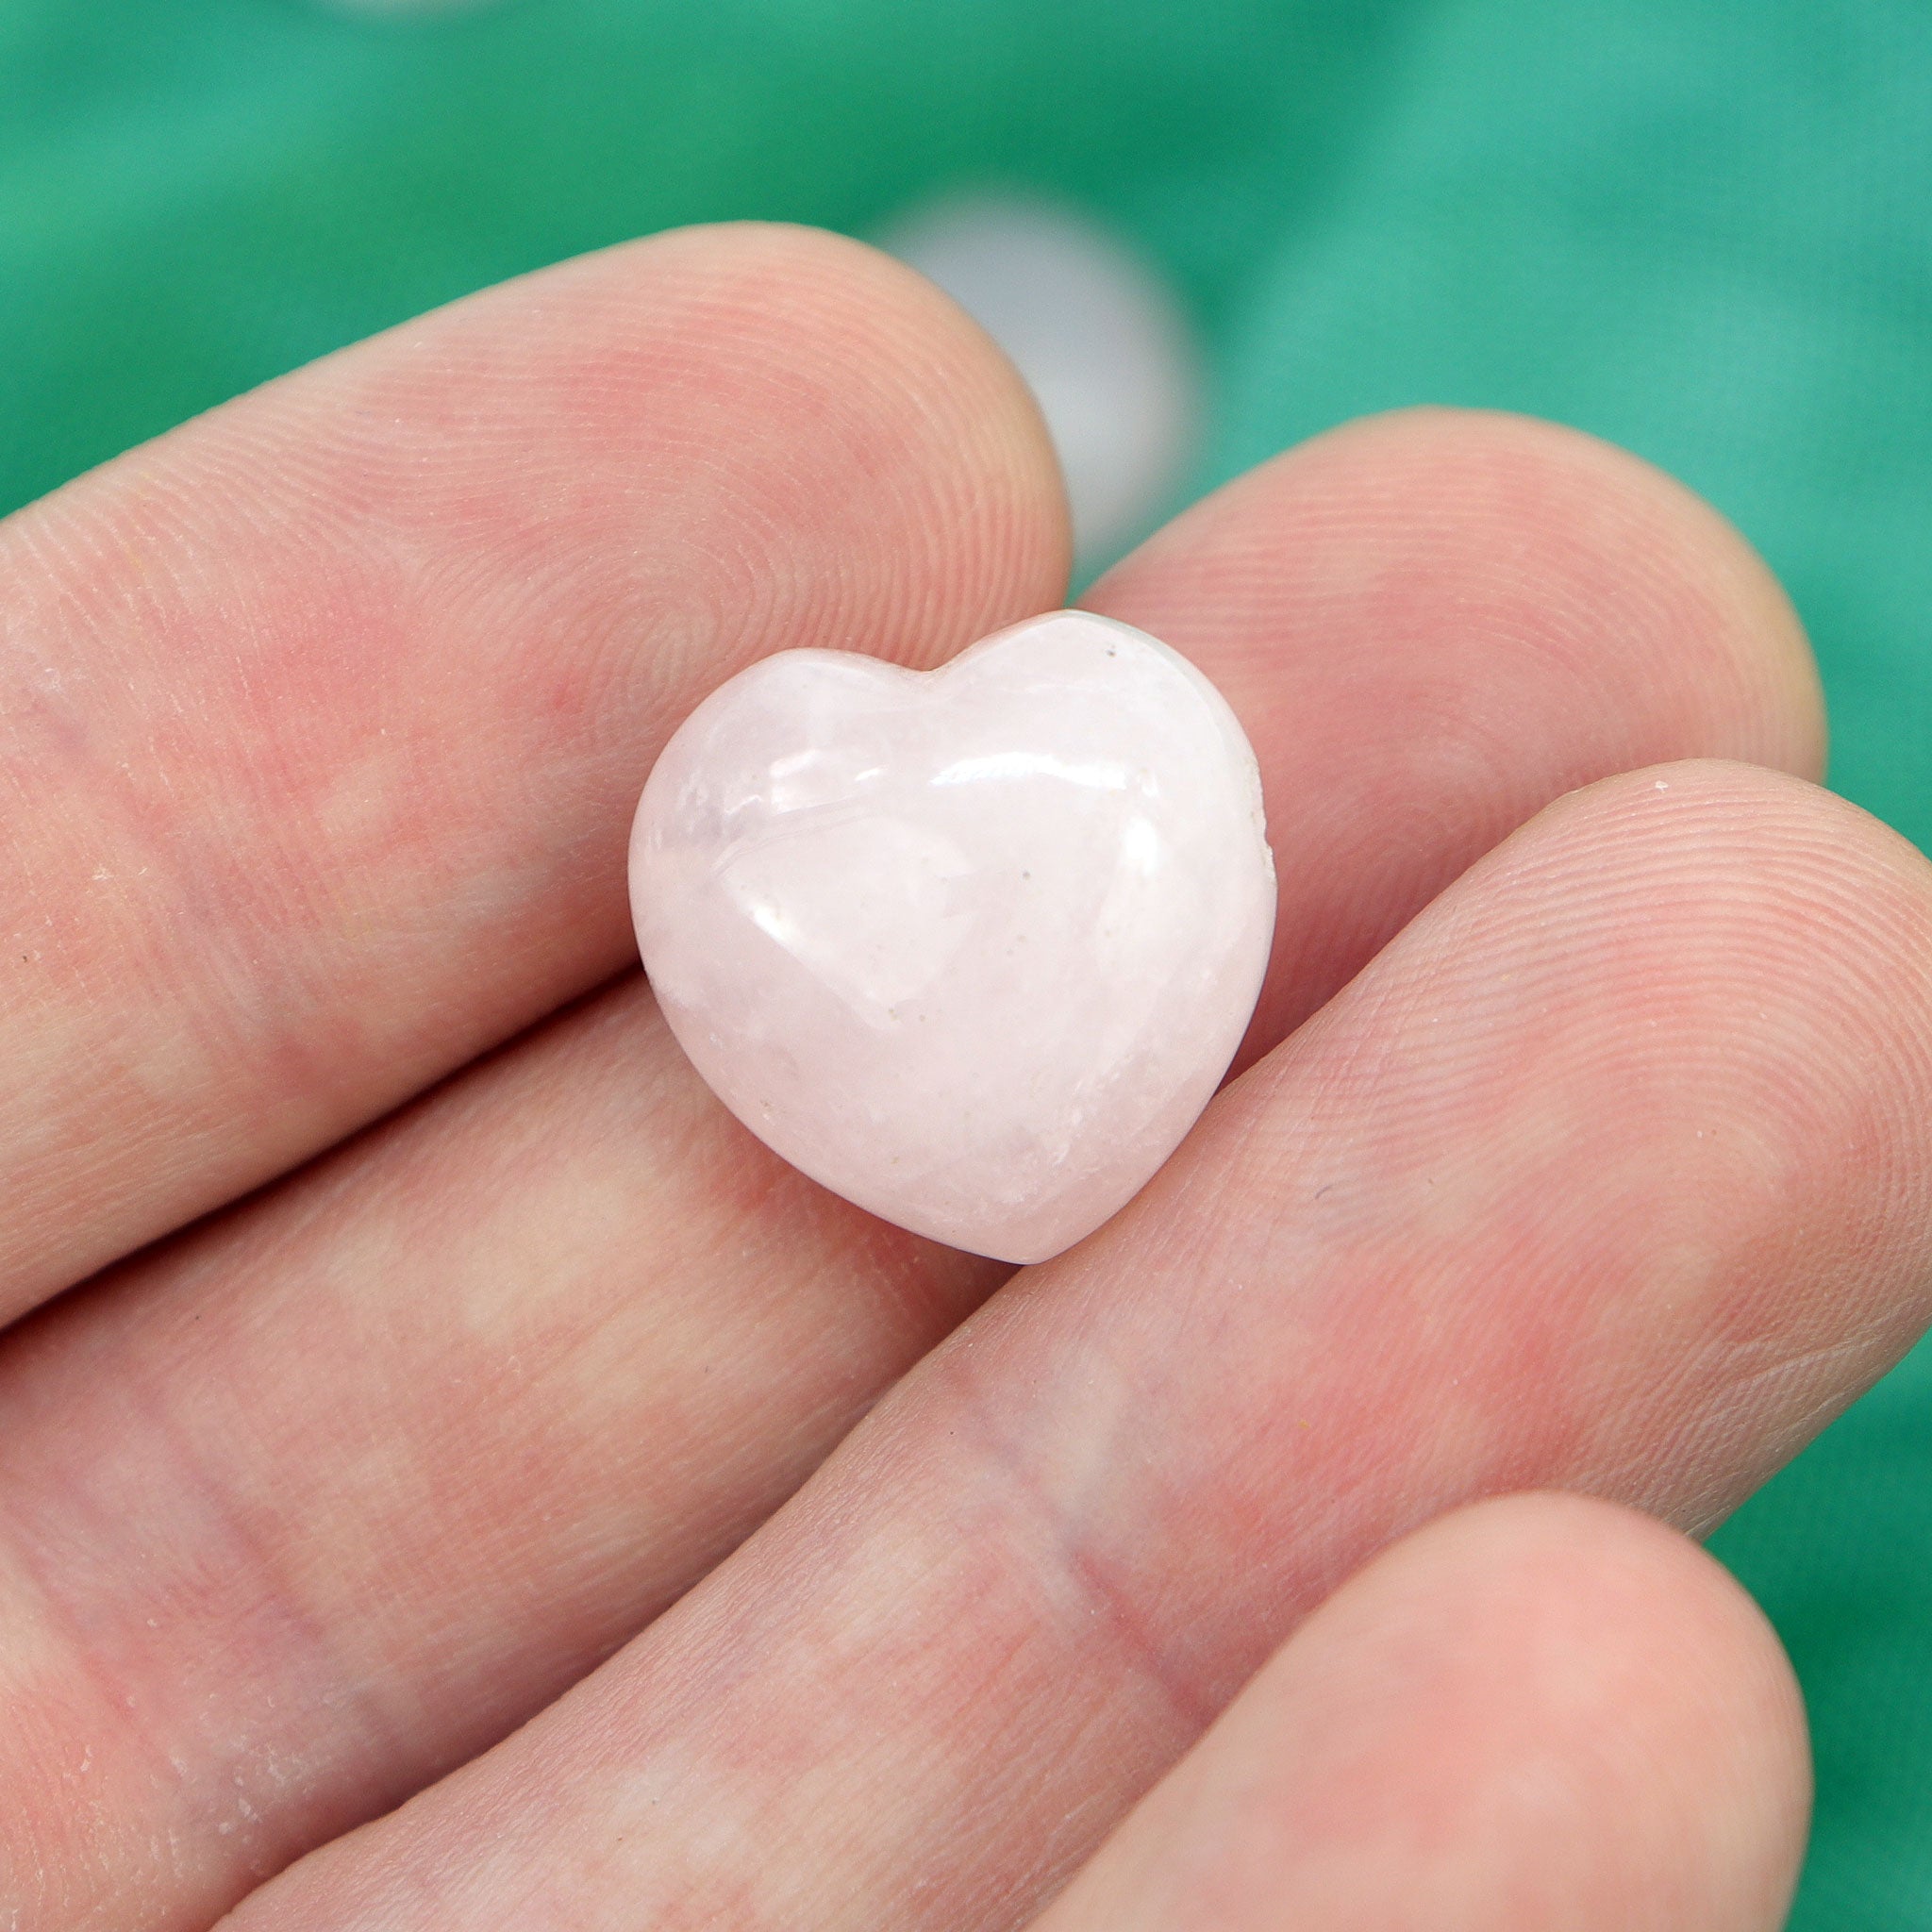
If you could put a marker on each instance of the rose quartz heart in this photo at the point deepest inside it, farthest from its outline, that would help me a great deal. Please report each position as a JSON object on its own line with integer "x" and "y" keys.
{"x": 971, "y": 946}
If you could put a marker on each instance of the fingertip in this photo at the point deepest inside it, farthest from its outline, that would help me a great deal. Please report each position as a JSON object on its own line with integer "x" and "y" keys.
{"x": 1628, "y": 1616}
{"x": 952, "y": 374}
{"x": 1786, "y": 883}
{"x": 1664, "y": 546}
{"x": 1536, "y": 1711}
{"x": 1433, "y": 622}
{"x": 1408, "y": 525}
{"x": 1556, "y": 1637}
{"x": 1715, "y": 793}
{"x": 405, "y": 629}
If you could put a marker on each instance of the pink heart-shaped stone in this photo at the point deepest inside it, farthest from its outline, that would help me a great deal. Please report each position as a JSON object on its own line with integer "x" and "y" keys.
{"x": 973, "y": 946}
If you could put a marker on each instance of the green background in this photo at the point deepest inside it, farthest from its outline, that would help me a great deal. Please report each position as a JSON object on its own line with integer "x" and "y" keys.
{"x": 1700, "y": 229}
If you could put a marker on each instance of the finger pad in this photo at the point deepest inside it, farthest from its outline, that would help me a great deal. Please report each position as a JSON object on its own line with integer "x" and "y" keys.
{"x": 1434, "y": 623}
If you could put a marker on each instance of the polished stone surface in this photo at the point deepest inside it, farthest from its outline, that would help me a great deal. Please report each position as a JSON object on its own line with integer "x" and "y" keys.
{"x": 973, "y": 946}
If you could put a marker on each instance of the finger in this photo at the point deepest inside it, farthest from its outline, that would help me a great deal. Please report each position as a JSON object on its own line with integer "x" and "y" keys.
{"x": 1434, "y": 622}
{"x": 322, "y": 720}
{"x": 1540, "y": 1713}
{"x": 1612, "y": 1173}
{"x": 317, "y": 1501}
{"x": 471, "y": 1403}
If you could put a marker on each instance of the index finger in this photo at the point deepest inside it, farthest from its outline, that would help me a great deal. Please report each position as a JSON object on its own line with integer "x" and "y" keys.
{"x": 322, "y": 719}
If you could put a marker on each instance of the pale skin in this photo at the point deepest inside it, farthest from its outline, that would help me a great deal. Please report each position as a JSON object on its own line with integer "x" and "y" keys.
{"x": 480, "y": 1486}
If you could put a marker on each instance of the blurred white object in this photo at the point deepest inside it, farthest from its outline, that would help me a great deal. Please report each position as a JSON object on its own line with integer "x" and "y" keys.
{"x": 1095, "y": 332}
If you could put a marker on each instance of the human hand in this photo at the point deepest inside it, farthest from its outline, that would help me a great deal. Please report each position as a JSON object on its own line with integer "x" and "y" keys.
{"x": 1602, "y": 1166}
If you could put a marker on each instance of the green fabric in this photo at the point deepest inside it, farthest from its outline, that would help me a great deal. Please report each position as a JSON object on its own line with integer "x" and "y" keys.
{"x": 1702, "y": 229}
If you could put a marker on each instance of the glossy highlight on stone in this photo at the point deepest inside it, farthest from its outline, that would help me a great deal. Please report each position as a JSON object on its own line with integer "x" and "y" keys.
{"x": 973, "y": 948}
